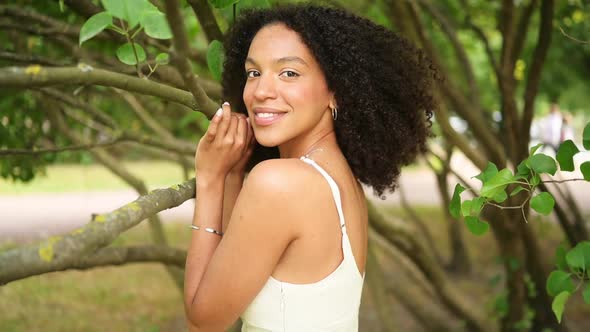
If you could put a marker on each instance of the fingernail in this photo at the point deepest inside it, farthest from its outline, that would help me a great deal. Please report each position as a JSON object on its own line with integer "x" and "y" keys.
{"x": 248, "y": 120}
{"x": 219, "y": 112}
{"x": 225, "y": 103}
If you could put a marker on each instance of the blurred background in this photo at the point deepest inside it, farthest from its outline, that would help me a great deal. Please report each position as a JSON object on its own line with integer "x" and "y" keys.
{"x": 94, "y": 114}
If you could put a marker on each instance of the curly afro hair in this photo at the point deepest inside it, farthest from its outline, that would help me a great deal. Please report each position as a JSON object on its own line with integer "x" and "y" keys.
{"x": 381, "y": 82}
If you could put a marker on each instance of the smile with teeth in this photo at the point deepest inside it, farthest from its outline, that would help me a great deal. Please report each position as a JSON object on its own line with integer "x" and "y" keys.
{"x": 267, "y": 118}
{"x": 266, "y": 115}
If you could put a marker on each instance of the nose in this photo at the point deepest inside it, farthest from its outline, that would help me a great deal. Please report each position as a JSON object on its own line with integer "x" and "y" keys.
{"x": 265, "y": 87}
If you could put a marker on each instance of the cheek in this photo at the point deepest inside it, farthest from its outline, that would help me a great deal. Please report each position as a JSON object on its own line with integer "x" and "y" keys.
{"x": 247, "y": 96}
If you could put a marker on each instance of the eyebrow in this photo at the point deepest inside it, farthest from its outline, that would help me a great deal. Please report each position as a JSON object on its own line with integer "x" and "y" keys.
{"x": 281, "y": 60}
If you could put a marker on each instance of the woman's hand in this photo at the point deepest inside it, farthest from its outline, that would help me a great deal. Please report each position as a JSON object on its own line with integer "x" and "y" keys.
{"x": 226, "y": 147}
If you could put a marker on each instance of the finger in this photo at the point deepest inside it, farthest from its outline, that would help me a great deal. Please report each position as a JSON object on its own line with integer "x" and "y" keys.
{"x": 213, "y": 125}
{"x": 230, "y": 136}
{"x": 225, "y": 121}
{"x": 241, "y": 133}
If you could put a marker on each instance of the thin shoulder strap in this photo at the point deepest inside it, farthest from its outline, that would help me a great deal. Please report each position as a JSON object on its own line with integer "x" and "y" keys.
{"x": 333, "y": 186}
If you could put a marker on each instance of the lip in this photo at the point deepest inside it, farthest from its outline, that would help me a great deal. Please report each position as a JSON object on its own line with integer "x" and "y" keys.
{"x": 277, "y": 115}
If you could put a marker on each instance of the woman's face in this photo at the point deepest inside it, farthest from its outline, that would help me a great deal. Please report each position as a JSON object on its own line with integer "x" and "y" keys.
{"x": 286, "y": 92}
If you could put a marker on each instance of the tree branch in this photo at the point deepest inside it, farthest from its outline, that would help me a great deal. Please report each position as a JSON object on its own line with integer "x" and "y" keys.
{"x": 522, "y": 29}
{"x": 145, "y": 116}
{"x": 86, "y": 107}
{"x": 176, "y": 145}
{"x": 60, "y": 252}
{"x": 37, "y": 76}
{"x": 30, "y": 59}
{"x": 133, "y": 254}
{"x": 482, "y": 36}
{"x": 463, "y": 107}
{"x": 535, "y": 71}
{"x": 206, "y": 19}
{"x": 450, "y": 30}
{"x": 506, "y": 81}
{"x": 84, "y": 8}
{"x": 180, "y": 58}
{"x": 408, "y": 245}
{"x": 34, "y": 152}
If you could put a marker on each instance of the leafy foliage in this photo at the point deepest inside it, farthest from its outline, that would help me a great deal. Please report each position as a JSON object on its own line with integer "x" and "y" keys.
{"x": 574, "y": 263}
{"x": 215, "y": 58}
{"x": 527, "y": 179}
{"x": 130, "y": 14}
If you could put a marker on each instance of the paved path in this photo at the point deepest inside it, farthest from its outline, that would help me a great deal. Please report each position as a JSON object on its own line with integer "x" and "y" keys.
{"x": 40, "y": 215}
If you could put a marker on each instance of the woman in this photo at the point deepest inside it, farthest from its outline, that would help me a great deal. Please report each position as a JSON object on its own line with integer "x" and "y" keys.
{"x": 320, "y": 101}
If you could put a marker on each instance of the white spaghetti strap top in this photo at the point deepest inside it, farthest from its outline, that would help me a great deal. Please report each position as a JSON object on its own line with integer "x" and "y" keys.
{"x": 329, "y": 305}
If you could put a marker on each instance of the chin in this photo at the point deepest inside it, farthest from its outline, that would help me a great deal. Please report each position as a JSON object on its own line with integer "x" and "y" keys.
{"x": 268, "y": 141}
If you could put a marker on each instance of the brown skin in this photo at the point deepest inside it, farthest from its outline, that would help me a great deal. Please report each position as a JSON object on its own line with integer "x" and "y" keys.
{"x": 303, "y": 245}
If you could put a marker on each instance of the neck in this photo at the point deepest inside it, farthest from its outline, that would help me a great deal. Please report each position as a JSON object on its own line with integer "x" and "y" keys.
{"x": 303, "y": 146}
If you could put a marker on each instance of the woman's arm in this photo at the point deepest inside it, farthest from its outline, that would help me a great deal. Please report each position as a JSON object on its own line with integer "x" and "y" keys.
{"x": 233, "y": 185}
{"x": 233, "y": 272}
{"x": 208, "y": 210}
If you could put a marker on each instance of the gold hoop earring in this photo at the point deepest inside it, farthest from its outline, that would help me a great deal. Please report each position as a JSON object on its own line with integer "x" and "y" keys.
{"x": 335, "y": 113}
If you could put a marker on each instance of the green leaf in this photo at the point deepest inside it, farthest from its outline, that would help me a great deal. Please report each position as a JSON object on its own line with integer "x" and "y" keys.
{"x": 488, "y": 173}
{"x": 560, "y": 261}
{"x": 472, "y": 207}
{"x": 535, "y": 148}
{"x": 156, "y": 25}
{"x": 579, "y": 257}
{"x": 585, "y": 169}
{"x": 476, "y": 226}
{"x": 535, "y": 180}
{"x": 543, "y": 203}
{"x": 116, "y": 8}
{"x": 215, "y": 58}
{"x": 222, "y": 3}
{"x": 476, "y": 205}
{"x": 95, "y": 25}
{"x": 516, "y": 190}
{"x": 559, "y": 304}
{"x": 559, "y": 281}
{"x": 455, "y": 205}
{"x": 542, "y": 163}
{"x": 466, "y": 208}
{"x": 496, "y": 183}
{"x": 126, "y": 55}
{"x": 586, "y": 137}
{"x": 128, "y": 10}
{"x": 523, "y": 169}
{"x": 565, "y": 155}
{"x": 500, "y": 197}
{"x": 586, "y": 294}
{"x": 162, "y": 59}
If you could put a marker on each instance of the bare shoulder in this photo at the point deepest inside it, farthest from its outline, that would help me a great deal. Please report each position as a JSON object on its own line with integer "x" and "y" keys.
{"x": 282, "y": 185}
{"x": 280, "y": 176}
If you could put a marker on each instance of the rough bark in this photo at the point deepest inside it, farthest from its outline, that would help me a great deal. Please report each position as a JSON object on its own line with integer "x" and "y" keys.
{"x": 38, "y": 76}
{"x": 59, "y": 252}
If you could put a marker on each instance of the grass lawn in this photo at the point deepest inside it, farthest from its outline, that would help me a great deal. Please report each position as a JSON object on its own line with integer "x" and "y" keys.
{"x": 135, "y": 297}
{"x": 67, "y": 178}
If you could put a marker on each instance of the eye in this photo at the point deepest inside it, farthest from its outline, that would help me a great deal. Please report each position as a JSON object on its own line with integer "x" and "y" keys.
{"x": 252, "y": 73}
{"x": 289, "y": 73}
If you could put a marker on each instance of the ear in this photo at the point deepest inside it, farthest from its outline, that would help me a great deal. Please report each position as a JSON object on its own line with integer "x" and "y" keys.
{"x": 332, "y": 103}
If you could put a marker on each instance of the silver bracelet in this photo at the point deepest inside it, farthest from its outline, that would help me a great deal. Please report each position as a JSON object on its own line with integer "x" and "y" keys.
{"x": 207, "y": 229}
